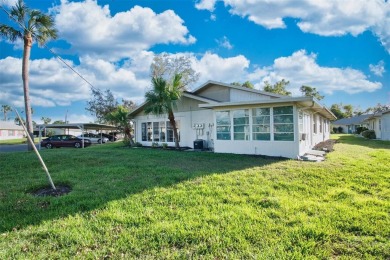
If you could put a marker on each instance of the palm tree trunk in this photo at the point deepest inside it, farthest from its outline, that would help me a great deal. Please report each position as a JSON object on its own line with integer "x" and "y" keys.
{"x": 171, "y": 118}
{"x": 26, "y": 90}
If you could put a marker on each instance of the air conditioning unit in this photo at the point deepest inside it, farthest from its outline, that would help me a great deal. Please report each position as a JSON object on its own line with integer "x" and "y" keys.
{"x": 200, "y": 144}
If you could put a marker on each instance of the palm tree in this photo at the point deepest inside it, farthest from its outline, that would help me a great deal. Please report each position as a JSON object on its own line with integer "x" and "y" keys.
{"x": 162, "y": 100}
{"x": 35, "y": 26}
{"x": 120, "y": 117}
{"x": 5, "y": 109}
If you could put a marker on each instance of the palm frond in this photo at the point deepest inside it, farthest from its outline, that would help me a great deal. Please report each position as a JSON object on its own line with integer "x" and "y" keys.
{"x": 10, "y": 33}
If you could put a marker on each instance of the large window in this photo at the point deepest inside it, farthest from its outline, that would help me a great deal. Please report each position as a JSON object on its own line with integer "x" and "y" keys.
{"x": 261, "y": 124}
{"x": 241, "y": 124}
{"x": 158, "y": 131}
{"x": 223, "y": 125}
{"x": 283, "y": 123}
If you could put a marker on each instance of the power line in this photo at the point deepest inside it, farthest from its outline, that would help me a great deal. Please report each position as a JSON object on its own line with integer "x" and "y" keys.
{"x": 50, "y": 50}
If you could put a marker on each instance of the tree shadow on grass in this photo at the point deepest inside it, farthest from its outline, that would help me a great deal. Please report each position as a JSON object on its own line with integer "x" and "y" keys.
{"x": 360, "y": 141}
{"x": 100, "y": 175}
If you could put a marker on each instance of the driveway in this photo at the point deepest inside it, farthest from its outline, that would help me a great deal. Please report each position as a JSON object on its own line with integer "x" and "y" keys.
{"x": 14, "y": 148}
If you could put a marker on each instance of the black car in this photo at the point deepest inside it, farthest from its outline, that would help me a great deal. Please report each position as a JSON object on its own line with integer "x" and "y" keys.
{"x": 64, "y": 141}
{"x": 111, "y": 138}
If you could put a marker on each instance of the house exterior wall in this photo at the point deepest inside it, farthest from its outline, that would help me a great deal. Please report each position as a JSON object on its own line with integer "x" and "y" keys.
{"x": 386, "y": 126}
{"x": 376, "y": 125}
{"x": 237, "y": 95}
{"x": 186, "y": 120}
{"x": 8, "y": 130}
{"x": 219, "y": 93}
{"x": 207, "y": 118}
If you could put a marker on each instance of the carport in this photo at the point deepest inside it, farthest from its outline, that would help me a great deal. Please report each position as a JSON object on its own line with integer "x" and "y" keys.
{"x": 82, "y": 126}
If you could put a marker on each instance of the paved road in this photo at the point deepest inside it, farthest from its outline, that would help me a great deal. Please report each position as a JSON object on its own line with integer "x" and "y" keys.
{"x": 14, "y": 148}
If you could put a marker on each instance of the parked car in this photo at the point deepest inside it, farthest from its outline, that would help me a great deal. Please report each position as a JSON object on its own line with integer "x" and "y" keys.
{"x": 94, "y": 138}
{"x": 111, "y": 138}
{"x": 64, "y": 141}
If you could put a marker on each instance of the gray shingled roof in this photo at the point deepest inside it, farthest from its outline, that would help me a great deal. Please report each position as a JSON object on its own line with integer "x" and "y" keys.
{"x": 356, "y": 120}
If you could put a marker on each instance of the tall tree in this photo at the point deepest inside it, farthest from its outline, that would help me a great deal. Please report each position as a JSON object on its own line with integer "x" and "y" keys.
{"x": 162, "y": 100}
{"x": 120, "y": 118}
{"x": 348, "y": 110}
{"x": 308, "y": 91}
{"x": 101, "y": 104}
{"x": 167, "y": 66}
{"x": 378, "y": 108}
{"x": 5, "y": 109}
{"x": 36, "y": 26}
{"x": 278, "y": 88}
{"x": 248, "y": 84}
{"x": 46, "y": 120}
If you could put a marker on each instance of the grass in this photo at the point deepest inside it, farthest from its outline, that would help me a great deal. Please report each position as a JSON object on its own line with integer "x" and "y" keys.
{"x": 17, "y": 141}
{"x": 158, "y": 204}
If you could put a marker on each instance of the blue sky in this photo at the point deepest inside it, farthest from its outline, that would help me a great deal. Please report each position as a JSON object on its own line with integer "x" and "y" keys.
{"x": 339, "y": 47}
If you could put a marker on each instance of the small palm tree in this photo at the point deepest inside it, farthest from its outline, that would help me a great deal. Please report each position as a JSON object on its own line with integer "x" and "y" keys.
{"x": 120, "y": 118}
{"x": 162, "y": 100}
{"x": 5, "y": 109}
{"x": 36, "y": 26}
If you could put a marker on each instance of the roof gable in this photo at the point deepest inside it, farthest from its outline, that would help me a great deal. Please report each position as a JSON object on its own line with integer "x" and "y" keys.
{"x": 210, "y": 84}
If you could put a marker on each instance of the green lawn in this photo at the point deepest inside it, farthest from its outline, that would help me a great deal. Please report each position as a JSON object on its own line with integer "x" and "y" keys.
{"x": 17, "y": 141}
{"x": 157, "y": 204}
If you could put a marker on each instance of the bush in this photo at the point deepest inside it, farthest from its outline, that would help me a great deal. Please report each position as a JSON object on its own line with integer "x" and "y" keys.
{"x": 334, "y": 130}
{"x": 370, "y": 134}
{"x": 340, "y": 129}
{"x": 164, "y": 145}
{"x": 360, "y": 129}
{"x": 154, "y": 144}
{"x": 138, "y": 144}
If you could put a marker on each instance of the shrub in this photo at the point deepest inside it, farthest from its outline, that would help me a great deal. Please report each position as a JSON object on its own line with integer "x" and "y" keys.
{"x": 154, "y": 144}
{"x": 334, "y": 130}
{"x": 138, "y": 144}
{"x": 360, "y": 129}
{"x": 340, "y": 129}
{"x": 370, "y": 134}
{"x": 164, "y": 145}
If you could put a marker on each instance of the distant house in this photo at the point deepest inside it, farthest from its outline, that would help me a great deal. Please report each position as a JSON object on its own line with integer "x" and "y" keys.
{"x": 9, "y": 130}
{"x": 233, "y": 119}
{"x": 350, "y": 125}
{"x": 380, "y": 123}
{"x": 385, "y": 125}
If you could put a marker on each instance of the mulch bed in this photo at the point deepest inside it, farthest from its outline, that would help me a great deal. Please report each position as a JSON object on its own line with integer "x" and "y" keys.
{"x": 48, "y": 191}
{"x": 326, "y": 146}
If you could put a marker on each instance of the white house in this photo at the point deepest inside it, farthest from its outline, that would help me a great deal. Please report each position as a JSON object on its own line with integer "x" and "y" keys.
{"x": 350, "y": 124}
{"x": 233, "y": 119}
{"x": 9, "y": 130}
{"x": 380, "y": 123}
{"x": 385, "y": 125}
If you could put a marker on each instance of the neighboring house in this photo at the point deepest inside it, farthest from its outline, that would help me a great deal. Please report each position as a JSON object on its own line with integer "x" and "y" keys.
{"x": 350, "y": 125}
{"x": 374, "y": 122}
{"x": 380, "y": 123}
{"x": 386, "y": 125}
{"x": 9, "y": 130}
{"x": 232, "y": 119}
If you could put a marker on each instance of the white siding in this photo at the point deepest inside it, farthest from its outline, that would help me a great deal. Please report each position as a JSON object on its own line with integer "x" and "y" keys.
{"x": 386, "y": 126}
{"x": 186, "y": 120}
{"x": 237, "y": 95}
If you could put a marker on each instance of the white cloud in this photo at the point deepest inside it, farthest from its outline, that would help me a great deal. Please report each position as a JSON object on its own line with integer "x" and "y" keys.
{"x": 225, "y": 43}
{"x": 91, "y": 29}
{"x": 322, "y": 17}
{"x": 206, "y": 5}
{"x": 9, "y": 3}
{"x": 53, "y": 84}
{"x": 302, "y": 69}
{"x": 378, "y": 69}
{"x": 213, "y": 67}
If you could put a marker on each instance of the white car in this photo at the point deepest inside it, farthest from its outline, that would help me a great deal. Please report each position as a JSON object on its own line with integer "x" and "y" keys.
{"x": 94, "y": 138}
